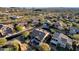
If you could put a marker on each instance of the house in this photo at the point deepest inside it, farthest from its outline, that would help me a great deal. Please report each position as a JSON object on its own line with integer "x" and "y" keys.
{"x": 73, "y": 30}
{"x": 48, "y": 17}
{"x": 63, "y": 40}
{"x": 23, "y": 24}
{"x": 7, "y": 29}
{"x": 46, "y": 26}
{"x": 1, "y": 25}
{"x": 15, "y": 17}
{"x": 64, "y": 16}
{"x": 40, "y": 35}
{"x": 35, "y": 22}
{"x": 72, "y": 20}
{"x": 59, "y": 25}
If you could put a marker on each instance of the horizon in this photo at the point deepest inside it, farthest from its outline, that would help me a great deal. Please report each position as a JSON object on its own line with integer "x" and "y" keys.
{"x": 42, "y": 7}
{"x": 38, "y": 3}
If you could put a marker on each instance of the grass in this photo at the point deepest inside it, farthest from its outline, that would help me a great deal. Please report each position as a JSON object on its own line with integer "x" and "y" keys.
{"x": 53, "y": 30}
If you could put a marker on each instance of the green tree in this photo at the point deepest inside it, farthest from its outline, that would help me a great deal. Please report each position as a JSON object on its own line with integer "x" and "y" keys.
{"x": 16, "y": 43}
{"x": 3, "y": 41}
{"x": 20, "y": 28}
{"x": 44, "y": 47}
{"x": 25, "y": 34}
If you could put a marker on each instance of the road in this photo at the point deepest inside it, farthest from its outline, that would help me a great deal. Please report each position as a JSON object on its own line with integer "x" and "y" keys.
{"x": 17, "y": 34}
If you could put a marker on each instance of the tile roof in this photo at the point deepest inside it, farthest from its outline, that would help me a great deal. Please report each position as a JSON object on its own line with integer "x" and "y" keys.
{"x": 39, "y": 33}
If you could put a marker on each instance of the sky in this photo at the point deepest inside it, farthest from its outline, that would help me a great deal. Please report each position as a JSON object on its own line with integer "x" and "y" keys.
{"x": 39, "y": 3}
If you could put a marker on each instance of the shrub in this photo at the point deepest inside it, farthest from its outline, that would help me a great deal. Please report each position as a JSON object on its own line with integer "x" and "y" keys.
{"x": 44, "y": 47}
{"x": 20, "y": 28}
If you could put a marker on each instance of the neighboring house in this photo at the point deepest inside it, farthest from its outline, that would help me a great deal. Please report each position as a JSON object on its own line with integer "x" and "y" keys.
{"x": 45, "y": 26}
{"x": 59, "y": 25}
{"x": 23, "y": 24}
{"x": 72, "y": 20}
{"x": 73, "y": 30}
{"x": 35, "y": 22}
{"x": 65, "y": 16}
{"x": 1, "y": 25}
{"x": 15, "y": 17}
{"x": 48, "y": 17}
{"x": 7, "y": 30}
{"x": 41, "y": 35}
{"x": 63, "y": 40}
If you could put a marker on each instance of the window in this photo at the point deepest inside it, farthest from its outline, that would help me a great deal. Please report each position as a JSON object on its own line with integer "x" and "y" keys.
{"x": 55, "y": 40}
